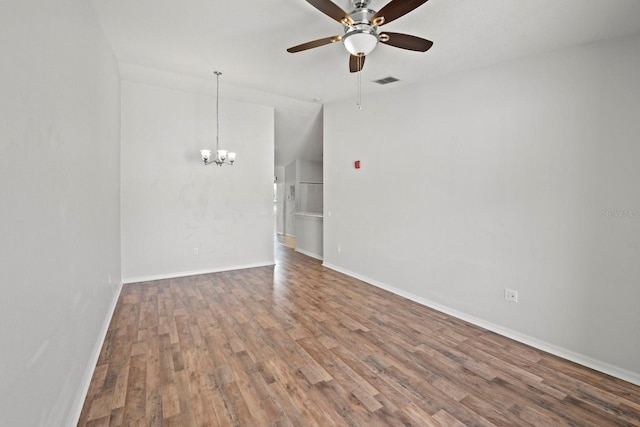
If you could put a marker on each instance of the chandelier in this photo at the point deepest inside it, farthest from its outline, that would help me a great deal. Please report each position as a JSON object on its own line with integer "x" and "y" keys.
{"x": 222, "y": 157}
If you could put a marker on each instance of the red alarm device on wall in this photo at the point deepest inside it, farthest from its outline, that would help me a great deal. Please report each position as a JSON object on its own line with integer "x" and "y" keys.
{"x": 357, "y": 164}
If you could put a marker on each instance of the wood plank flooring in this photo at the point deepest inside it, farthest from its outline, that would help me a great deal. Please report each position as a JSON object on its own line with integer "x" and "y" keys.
{"x": 302, "y": 345}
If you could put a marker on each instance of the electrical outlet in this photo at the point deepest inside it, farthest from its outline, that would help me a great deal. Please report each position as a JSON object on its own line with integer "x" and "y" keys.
{"x": 511, "y": 295}
{"x": 195, "y": 251}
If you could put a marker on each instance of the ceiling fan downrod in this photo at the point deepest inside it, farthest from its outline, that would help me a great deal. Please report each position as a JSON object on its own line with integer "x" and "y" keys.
{"x": 360, "y": 3}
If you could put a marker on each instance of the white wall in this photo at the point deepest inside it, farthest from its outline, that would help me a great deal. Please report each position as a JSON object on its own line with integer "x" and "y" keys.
{"x": 281, "y": 196}
{"x": 290, "y": 199}
{"x": 308, "y": 170}
{"x": 59, "y": 220}
{"x": 523, "y": 175}
{"x": 172, "y": 203}
{"x": 308, "y": 228}
{"x": 298, "y": 131}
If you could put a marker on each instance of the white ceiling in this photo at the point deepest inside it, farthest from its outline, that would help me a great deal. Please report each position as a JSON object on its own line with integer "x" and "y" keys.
{"x": 247, "y": 40}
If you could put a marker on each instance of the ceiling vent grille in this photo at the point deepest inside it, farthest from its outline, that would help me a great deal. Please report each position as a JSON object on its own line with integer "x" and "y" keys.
{"x": 386, "y": 80}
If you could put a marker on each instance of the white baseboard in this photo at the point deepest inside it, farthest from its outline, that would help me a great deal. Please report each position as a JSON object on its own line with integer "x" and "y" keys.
{"x": 79, "y": 403}
{"x": 309, "y": 253}
{"x": 193, "y": 273}
{"x": 564, "y": 353}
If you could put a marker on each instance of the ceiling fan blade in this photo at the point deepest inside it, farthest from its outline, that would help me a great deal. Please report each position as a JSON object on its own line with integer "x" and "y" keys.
{"x": 332, "y": 10}
{"x": 405, "y": 41}
{"x": 395, "y": 9}
{"x": 315, "y": 43}
{"x": 356, "y": 63}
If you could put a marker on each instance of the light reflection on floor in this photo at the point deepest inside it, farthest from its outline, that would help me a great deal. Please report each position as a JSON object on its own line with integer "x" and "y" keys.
{"x": 286, "y": 280}
{"x": 288, "y": 241}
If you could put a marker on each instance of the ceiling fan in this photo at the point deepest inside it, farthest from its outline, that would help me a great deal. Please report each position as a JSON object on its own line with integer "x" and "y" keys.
{"x": 361, "y": 29}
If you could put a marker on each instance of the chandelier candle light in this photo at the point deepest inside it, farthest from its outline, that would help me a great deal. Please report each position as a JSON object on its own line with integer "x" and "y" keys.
{"x": 223, "y": 157}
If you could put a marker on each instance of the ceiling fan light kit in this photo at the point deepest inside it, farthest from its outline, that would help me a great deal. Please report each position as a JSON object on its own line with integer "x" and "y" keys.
{"x": 361, "y": 25}
{"x": 360, "y": 42}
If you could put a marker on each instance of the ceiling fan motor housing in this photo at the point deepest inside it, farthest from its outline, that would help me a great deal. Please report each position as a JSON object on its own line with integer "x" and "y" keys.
{"x": 362, "y": 15}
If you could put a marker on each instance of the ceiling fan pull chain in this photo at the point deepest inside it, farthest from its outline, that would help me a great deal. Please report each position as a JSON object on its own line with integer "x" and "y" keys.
{"x": 359, "y": 103}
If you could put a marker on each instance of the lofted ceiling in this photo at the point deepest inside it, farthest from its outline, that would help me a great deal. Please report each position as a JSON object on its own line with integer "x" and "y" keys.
{"x": 247, "y": 40}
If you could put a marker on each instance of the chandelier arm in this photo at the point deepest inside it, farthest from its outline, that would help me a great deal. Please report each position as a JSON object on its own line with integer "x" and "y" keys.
{"x": 217, "y": 162}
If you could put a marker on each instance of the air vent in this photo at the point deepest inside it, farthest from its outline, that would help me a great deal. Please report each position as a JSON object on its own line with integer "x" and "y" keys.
{"x": 386, "y": 80}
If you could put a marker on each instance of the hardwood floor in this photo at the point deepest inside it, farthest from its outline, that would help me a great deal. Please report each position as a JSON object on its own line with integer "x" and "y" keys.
{"x": 287, "y": 241}
{"x": 302, "y": 345}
